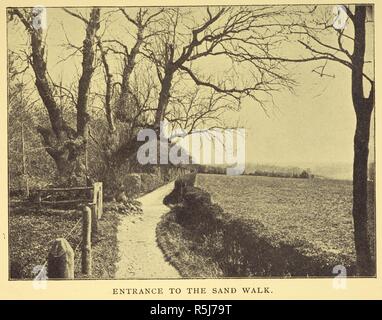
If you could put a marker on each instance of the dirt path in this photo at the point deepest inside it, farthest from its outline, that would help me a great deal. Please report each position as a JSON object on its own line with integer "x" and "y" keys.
{"x": 140, "y": 256}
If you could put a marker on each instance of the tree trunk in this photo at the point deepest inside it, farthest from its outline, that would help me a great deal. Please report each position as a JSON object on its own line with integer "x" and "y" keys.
{"x": 108, "y": 88}
{"x": 66, "y": 171}
{"x": 129, "y": 64}
{"x": 88, "y": 53}
{"x": 126, "y": 107}
{"x": 363, "y": 108}
{"x": 64, "y": 144}
{"x": 360, "y": 212}
{"x": 164, "y": 97}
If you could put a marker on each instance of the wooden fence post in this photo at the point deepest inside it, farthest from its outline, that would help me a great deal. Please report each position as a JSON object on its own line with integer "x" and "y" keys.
{"x": 61, "y": 260}
{"x": 94, "y": 223}
{"x": 86, "y": 241}
{"x": 98, "y": 198}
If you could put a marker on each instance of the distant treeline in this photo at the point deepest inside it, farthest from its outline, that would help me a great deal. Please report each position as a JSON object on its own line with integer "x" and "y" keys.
{"x": 209, "y": 169}
{"x": 303, "y": 175}
{"x": 273, "y": 171}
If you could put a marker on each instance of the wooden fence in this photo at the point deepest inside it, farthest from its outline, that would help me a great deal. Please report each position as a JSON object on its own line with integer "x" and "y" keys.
{"x": 61, "y": 255}
{"x": 95, "y": 200}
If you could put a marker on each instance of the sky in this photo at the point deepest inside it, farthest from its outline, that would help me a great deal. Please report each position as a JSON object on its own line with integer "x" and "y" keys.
{"x": 315, "y": 124}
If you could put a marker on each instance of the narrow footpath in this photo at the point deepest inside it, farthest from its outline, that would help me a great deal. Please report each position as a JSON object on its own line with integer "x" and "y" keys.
{"x": 140, "y": 256}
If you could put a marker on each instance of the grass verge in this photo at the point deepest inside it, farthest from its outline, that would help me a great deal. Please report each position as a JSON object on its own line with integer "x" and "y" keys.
{"x": 33, "y": 230}
{"x": 180, "y": 250}
{"x": 268, "y": 230}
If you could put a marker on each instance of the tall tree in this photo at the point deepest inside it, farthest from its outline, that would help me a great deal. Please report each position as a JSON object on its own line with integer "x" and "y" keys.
{"x": 219, "y": 33}
{"x": 126, "y": 101}
{"x": 250, "y": 35}
{"x": 363, "y": 107}
{"x": 314, "y": 31}
{"x": 126, "y": 93}
{"x": 62, "y": 142}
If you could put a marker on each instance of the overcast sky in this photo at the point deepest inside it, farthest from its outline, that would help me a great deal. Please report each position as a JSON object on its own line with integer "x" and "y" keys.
{"x": 314, "y": 125}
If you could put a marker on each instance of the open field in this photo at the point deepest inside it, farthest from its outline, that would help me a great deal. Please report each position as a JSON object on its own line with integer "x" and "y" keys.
{"x": 312, "y": 215}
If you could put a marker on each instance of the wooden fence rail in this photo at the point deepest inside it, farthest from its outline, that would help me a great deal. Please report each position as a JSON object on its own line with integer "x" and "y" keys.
{"x": 95, "y": 200}
{"x": 66, "y": 189}
{"x": 61, "y": 255}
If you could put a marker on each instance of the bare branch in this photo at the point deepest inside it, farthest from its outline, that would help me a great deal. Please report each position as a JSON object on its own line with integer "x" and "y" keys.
{"x": 76, "y": 15}
{"x": 135, "y": 22}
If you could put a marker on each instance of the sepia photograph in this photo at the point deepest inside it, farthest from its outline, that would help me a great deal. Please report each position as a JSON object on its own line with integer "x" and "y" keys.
{"x": 191, "y": 142}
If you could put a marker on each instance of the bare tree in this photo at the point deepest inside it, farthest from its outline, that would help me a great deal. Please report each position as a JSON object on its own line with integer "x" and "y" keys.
{"x": 127, "y": 98}
{"x": 348, "y": 48}
{"x": 127, "y": 91}
{"x": 194, "y": 108}
{"x": 62, "y": 142}
{"x": 173, "y": 41}
{"x": 222, "y": 32}
{"x": 363, "y": 104}
{"x": 142, "y": 22}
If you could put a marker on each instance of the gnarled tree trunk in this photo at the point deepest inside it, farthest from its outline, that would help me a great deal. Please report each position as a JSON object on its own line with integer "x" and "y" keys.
{"x": 164, "y": 96}
{"x": 63, "y": 143}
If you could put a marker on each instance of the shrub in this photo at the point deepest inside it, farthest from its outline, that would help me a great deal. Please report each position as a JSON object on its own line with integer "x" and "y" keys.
{"x": 132, "y": 184}
{"x": 197, "y": 210}
{"x": 304, "y": 175}
{"x": 176, "y": 195}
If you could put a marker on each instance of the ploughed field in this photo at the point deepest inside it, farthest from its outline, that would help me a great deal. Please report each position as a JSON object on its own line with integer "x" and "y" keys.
{"x": 313, "y": 215}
